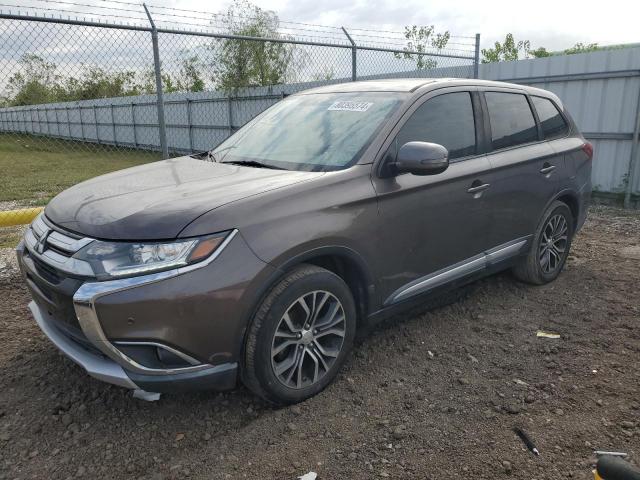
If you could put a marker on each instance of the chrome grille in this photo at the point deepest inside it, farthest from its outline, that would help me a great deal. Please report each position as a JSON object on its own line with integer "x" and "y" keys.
{"x": 66, "y": 244}
{"x": 54, "y": 248}
{"x": 50, "y": 274}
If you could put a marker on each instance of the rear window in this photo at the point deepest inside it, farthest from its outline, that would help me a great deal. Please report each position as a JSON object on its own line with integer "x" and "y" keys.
{"x": 552, "y": 123}
{"x": 511, "y": 119}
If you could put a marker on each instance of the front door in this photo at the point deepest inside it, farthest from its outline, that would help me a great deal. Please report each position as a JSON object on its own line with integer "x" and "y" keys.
{"x": 433, "y": 225}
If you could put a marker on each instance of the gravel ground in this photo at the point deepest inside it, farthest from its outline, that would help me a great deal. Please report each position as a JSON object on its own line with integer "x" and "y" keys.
{"x": 9, "y": 236}
{"x": 13, "y": 204}
{"x": 432, "y": 395}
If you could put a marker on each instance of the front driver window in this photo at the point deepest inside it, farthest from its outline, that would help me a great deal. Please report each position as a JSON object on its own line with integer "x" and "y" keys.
{"x": 446, "y": 119}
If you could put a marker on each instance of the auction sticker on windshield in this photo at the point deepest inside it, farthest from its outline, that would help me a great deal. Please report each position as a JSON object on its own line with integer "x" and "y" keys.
{"x": 350, "y": 106}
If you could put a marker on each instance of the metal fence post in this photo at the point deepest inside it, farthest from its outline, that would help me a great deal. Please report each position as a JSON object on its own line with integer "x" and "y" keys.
{"x": 354, "y": 56}
{"x": 159, "y": 94}
{"x": 66, "y": 109}
{"x": 189, "y": 126}
{"x": 95, "y": 120}
{"x": 133, "y": 122}
{"x": 46, "y": 119}
{"x": 57, "y": 121}
{"x": 230, "y": 115}
{"x": 81, "y": 123}
{"x": 634, "y": 160}
{"x": 113, "y": 125}
{"x": 476, "y": 59}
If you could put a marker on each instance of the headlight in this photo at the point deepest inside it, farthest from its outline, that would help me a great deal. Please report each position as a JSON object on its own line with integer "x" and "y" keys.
{"x": 125, "y": 259}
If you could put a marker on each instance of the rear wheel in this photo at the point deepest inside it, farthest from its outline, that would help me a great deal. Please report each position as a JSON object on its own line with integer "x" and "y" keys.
{"x": 300, "y": 336}
{"x": 550, "y": 247}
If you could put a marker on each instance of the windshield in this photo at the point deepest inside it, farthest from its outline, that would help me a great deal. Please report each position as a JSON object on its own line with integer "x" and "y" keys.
{"x": 315, "y": 132}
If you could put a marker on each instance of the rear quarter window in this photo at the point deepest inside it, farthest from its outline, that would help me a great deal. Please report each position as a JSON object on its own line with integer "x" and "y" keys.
{"x": 552, "y": 122}
{"x": 511, "y": 119}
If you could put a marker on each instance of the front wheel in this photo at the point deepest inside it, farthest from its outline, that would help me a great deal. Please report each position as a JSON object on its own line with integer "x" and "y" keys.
{"x": 300, "y": 336}
{"x": 550, "y": 247}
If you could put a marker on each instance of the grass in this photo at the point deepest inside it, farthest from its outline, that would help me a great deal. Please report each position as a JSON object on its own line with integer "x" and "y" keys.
{"x": 35, "y": 169}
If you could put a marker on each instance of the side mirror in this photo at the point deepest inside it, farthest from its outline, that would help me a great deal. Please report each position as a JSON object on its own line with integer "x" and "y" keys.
{"x": 422, "y": 158}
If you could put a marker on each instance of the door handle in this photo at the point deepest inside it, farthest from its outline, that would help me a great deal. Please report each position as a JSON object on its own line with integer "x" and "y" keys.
{"x": 479, "y": 188}
{"x": 547, "y": 168}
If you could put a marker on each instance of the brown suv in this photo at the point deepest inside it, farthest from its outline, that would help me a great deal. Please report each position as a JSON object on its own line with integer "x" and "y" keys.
{"x": 334, "y": 208}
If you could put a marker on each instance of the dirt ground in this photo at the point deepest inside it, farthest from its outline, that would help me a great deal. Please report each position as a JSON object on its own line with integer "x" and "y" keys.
{"x": 429, "y": 396}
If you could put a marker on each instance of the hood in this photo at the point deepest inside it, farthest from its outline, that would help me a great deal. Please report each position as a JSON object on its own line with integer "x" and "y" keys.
{"x": 157, "y": 200}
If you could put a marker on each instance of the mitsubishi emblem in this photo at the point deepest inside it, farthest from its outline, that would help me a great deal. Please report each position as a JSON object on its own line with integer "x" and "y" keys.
{"x": 40, "y": 245}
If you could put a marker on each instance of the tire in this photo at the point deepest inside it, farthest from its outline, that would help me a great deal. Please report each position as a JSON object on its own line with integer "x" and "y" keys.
{"x": 322, "y": 349}
{"x": 533, "y": 268}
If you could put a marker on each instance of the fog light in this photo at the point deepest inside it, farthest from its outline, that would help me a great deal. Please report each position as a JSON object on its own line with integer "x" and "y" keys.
{"x": 155, "y": 355}
{"x": 170, "y": 359}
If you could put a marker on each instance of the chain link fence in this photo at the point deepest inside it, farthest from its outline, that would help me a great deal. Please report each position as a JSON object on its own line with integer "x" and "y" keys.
{"x": 79, "y": 97}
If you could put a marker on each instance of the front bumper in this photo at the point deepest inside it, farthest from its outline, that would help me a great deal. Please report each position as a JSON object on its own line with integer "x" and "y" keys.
{"x": 95, "y": 365}
{"x": 195, "y": 315}
{"x": 219, "y": 377}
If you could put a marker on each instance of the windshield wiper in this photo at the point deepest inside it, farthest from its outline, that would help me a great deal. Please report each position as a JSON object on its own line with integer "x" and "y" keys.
{"x": 253, "y": 163}
{"x": 211, "y": 154}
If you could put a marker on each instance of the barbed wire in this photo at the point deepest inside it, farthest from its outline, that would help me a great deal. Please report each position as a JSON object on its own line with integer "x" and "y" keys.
{"x": 217, "y": 21}
{"x": 402, "y": 33}
{"x": 151, "y": 6}
{"x": 79, "y": 4}
{"x": 67, "y": 12}
{"x": 472, "y": 37}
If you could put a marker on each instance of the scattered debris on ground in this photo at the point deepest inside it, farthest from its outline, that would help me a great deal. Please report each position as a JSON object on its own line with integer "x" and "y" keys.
{"x": 434, "y": 395}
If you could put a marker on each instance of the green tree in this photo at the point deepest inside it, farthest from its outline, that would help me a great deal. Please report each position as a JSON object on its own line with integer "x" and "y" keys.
{"x": 539, "y": 52}
{"x": 325, "y": 73}
{"x": 95, "y": 82}
{"x": 247, "y": 63}
{"x": 36, "y": 82}
{"x": 188, "y": 78}
{"x": 582, "y": 48}
{"x": 511, "y": 50}
{"x": 507, "y": 51}
{"x": 423, "y": 39}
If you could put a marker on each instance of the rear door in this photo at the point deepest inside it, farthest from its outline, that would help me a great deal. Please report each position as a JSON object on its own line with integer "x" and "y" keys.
{"x": 431, "y": 223}
{"x": 524, "y": 166}
{"x": 555, "y": 130}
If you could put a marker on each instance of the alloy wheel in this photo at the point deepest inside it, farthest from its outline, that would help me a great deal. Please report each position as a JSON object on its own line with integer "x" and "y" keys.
{"x": 308, "y": 339}
{"x": 553, "y": 244}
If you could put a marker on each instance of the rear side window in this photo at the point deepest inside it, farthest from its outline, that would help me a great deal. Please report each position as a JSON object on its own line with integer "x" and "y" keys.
{"x": 552, "y": 123}
{"x": 446, "y": 119}
{"x": 512, "y": 121}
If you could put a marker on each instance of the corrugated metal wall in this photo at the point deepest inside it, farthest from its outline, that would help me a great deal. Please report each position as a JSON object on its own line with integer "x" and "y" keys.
{"x": 601, "y": 90}
{"x": 195, "y": 121}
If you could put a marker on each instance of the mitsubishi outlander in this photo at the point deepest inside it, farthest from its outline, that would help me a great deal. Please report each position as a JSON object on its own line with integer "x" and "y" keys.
{"x": 259, "y": 260}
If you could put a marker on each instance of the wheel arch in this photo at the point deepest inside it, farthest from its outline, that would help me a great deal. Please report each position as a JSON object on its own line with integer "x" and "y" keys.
{"x": 343, "y": 261}
{"x": 571, "y": 199}
{"x": 349, "y": 266}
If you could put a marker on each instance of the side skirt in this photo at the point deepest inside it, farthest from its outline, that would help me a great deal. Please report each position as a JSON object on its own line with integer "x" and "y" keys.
{"x": 459, "y": 271}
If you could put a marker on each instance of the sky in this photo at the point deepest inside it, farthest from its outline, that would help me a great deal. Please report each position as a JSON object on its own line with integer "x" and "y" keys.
{"x": 554, "y": 24}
